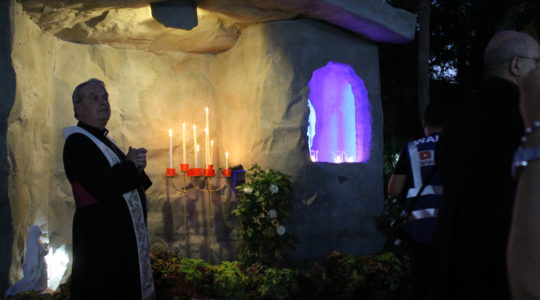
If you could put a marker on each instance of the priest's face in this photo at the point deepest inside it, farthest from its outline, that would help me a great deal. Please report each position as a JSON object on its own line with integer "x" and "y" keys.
{"x": 94, "y": 109}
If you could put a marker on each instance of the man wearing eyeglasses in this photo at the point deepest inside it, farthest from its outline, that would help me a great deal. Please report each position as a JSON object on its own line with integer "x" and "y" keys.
{"x": 474, "y": 158}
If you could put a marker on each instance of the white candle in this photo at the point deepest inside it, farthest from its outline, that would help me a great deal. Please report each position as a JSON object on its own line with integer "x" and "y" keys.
{"x": 226, "y": 160}
{"x": 206, "y": 137}
{"x": 211, "y": 151}
{"x": 207, "y": 122}
{"x": 197, "y": 148}
{"x": 184, "y": 160}
{"x": 170, "y": 148}
{"x": 206, "y": 148}
{"x": 194, "y": 140}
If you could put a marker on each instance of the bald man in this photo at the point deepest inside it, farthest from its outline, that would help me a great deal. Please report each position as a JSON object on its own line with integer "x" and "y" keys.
{"x": 475, "y": 157}
{"x": 524, "y": 244}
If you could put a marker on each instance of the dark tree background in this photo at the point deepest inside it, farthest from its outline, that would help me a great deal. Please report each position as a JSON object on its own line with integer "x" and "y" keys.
{"x": 460, "y": 30}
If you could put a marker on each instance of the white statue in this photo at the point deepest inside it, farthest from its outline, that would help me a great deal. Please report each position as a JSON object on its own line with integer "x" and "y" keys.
{"x": 34, "y": 266}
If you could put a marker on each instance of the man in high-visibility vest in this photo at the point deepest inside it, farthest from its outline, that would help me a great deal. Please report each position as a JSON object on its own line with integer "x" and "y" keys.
{"x": 415, "y": 177}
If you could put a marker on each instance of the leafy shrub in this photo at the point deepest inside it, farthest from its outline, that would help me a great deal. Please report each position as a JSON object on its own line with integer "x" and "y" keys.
{"x": 383, "y": 271}
{"x": 181, "y": 277}
{"x": 338, "y": 274}
{"x": 263, "y": 210}
{"x": 275, "y": 283}
{"x": 229, "y": 280}
{"x": 345, "y": 274}
{"x": 312, "y": 278}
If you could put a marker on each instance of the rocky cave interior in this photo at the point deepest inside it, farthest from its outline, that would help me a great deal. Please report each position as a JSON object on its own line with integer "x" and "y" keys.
{"x": 250, "y": 62}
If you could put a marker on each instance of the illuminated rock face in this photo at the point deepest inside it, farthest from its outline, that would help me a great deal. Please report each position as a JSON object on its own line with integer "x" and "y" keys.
{"x": 255, "y": 80}
{"x": 129, "y": 24}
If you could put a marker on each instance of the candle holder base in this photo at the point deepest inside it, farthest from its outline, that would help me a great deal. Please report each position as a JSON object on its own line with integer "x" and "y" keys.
{"x": 170, "y": 172}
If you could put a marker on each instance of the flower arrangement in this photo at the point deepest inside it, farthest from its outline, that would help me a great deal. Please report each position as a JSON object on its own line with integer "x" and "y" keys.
{"x": 262, "y": 213}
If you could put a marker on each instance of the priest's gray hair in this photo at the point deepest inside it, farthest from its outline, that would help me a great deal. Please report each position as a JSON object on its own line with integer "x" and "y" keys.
{"x": 77, "y": 96}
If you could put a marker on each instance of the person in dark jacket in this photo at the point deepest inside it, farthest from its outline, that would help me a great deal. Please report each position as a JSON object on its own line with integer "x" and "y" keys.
{"x": 111, "y": 258}
{"x": 474, "y": 160}
{"x": 416, "y": 178}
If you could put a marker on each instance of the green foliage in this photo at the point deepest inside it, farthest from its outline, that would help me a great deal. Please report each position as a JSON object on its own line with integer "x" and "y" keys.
{"x": 230, "y": 281}
{"x": 271, "y": 283}
{"x": 277, "y": 283}
{"x": 181, "y": 277}
{"x": 384, "y": 271}
{"x": 338, "y": 274}
{"x": 312, "y": 278}
{"x": 352, "y": 275}
{"x": 263, "y": 210}
{"x": 193, "y": 269}
{"x": 345, "y": 275}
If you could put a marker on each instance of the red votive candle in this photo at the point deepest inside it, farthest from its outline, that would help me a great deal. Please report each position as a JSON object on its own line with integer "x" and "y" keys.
{"x": 195, "y": 172}
{"x": 209, "y": 172}
{"x": 227, "y": 172}
{"x": 170, "y": 172}
{"x": 184, "y": 167}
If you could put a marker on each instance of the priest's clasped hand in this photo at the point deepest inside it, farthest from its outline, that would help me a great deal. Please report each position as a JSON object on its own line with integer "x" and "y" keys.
{"x": 138, "y": 157}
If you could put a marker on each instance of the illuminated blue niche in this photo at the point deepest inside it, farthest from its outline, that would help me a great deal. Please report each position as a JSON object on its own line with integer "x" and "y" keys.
{"x": 339, "y": 127}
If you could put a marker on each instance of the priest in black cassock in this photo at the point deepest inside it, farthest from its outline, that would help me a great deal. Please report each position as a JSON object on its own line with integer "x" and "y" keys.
{"x": 475, "y": 158}
{"x": 111, "y": 258}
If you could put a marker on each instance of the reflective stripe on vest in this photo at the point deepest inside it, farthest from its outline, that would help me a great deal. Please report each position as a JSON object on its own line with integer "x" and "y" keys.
{"x": 423, "y": 214}
{"x": 428, "y": 190}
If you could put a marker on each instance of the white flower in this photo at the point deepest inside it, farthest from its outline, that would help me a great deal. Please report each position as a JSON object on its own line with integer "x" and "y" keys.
{"x": 397, "y": 242}
{"x": 274, "y": 189}
{"x": 248, "y": 190}
{"x": 394, "y": 201}
{"x": 281, "y": 230}
{"x": 272, "y": 214}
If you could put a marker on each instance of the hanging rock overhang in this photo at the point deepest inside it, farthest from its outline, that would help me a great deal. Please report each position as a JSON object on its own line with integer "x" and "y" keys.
{"x": 218, "y": 23}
